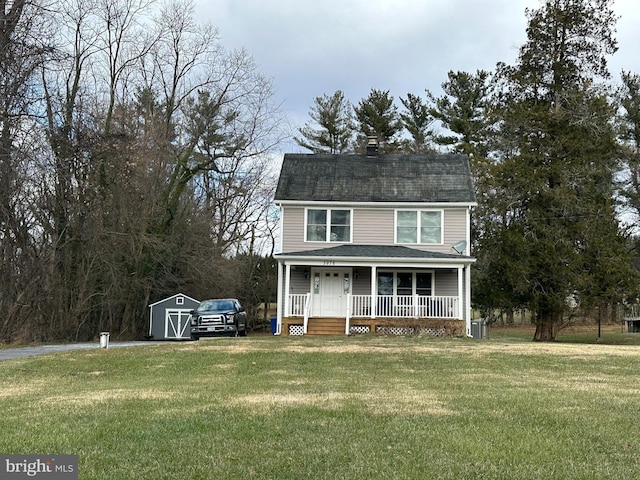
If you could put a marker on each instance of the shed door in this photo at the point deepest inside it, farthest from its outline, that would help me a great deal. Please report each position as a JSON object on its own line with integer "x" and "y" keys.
{"x": 177, "y": 324}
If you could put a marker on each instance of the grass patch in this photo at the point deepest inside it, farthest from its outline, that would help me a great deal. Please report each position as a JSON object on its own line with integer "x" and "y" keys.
{"x": 331, "y": 408}
{"x": 583, "y": 334}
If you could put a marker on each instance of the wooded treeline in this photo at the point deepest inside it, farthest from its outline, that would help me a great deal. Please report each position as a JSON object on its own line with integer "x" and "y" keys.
{"x": 134, "y": 164}
{"x": 553, "y": 144}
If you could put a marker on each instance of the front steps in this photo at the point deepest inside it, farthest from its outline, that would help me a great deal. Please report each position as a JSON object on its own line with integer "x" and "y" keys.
{"x": 326, "y": 326}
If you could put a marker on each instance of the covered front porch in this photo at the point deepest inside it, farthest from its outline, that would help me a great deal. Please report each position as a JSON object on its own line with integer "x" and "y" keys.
{"x": 399, "y": 291}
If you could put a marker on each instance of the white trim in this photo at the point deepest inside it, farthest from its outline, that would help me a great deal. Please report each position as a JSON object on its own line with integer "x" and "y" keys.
{"x": 418, "y": 225}
{"x": 327, "y": 204}
{"x": 374, "y": 289}
{"x": 313, "y": 261}
{"x": 414, "y": 281}
{"x": 467, "y": 305}
{"x": 280, "y": 304}
{"x": 461, "y": 285}
{"x": 348, "y": 318}
{"x": 307, "y": 312}
{"x": 182, "y": 327}
{"x": 287, "y": 286}
{"x": 174, "y": 296}
{"x": 280, "y": 230}
{"x": 318, "y": 299}
{"x": 467, "y": 250}
{"x": 328, "y": 225}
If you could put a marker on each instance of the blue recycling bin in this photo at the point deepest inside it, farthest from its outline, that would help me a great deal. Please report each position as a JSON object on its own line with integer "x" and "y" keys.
{"x": 274, "y": 325}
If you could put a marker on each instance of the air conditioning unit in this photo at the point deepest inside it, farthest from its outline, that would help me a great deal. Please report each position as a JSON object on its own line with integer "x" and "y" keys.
{"x": 479, "y": 328}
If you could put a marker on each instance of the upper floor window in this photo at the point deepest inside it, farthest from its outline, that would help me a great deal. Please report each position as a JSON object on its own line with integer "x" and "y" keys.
{"x": 328, "y": 225}
{"x": 419, "y": 226}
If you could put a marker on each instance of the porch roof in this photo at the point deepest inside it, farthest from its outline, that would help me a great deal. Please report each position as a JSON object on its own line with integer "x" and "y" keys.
{"x": 379, "y": 252}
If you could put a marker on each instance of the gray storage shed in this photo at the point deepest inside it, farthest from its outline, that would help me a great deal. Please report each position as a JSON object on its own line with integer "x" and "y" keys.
{"x": 169, "y": 318}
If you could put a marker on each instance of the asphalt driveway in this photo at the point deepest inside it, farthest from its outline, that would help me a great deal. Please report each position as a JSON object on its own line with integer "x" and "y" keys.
{"x": 20, "y": 352}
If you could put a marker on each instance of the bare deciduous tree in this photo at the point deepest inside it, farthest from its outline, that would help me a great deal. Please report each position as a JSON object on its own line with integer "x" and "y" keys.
{"x": 134, "y": 164}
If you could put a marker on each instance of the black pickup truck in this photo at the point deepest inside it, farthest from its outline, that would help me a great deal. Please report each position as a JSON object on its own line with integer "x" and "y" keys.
{"x": 218, "y": 317}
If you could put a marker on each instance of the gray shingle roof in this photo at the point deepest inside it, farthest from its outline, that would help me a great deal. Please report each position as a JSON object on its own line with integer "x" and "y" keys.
{"x": 372, "y": 251}
{"x": 382, "y": 178}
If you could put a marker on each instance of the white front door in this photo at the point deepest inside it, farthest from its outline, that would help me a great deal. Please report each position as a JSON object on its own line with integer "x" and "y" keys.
{"x": 330, "y": 300}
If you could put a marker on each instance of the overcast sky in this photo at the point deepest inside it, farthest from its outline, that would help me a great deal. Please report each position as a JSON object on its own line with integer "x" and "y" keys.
{"x": 315, "y": 47}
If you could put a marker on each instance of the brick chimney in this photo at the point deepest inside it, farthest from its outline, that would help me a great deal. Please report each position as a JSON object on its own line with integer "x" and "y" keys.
{"x": 372, "y": 145}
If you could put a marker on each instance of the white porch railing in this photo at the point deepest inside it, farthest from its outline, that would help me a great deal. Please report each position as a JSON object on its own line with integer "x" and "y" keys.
{"x": 400, "y": 306}
{"x": 297, "y": 302}
{"x": 299, "y": 305}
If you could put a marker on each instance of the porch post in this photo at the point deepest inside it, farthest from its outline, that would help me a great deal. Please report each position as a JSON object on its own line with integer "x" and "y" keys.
{"x": 348, "y": 319}
{"x": 374, "y": 293}
{"x": 279, "y": 300}
{"x": 467, "y": 279}
{"x": 461, "y": 307}
{"x": 287, "y": 287}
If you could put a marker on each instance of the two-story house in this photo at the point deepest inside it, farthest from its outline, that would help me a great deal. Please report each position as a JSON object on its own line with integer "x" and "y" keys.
{"x": 374, "y": 243}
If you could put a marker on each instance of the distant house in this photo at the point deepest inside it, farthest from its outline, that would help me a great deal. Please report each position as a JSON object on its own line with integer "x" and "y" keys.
{"x": 374, "y": 243}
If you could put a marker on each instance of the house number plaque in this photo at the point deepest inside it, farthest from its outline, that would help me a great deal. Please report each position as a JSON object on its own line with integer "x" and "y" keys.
{"x": 329, "y": 262}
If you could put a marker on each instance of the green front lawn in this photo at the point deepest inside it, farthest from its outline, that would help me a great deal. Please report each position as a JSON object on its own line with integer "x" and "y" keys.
{"x": 331, "y": 408}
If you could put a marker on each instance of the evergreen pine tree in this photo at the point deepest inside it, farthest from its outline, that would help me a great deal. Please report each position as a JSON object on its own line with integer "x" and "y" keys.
{"x": 554, "y": 221}
{"x": 417, "y": 120}
{"x": 377, "y": 116}
{"x": 332, "y": 128}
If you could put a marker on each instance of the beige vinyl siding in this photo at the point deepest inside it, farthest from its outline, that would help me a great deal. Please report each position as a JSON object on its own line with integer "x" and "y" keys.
{"x": 455, "y": 227}
{"x": 293, "y": 230}
{"x": 293, "y": 233}
{"x": 371, "y": 226}
{"x": 299, "y": 284}
{"x": 446, "y": 283}
{"x": 362, "y": 285}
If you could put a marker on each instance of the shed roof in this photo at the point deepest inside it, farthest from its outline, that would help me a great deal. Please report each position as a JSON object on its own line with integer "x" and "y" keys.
{"x": 172, "y": 297}
{"x": 426, "y": 178}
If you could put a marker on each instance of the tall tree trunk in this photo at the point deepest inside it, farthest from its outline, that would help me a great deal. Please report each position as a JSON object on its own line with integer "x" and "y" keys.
{"x": 545, "y": 331}
{"x": 510, "y": 317}
{"x": 547, "y": 328}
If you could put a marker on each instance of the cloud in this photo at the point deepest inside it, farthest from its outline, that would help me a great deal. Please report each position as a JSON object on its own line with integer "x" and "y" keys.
{"x": 316, "y": 47}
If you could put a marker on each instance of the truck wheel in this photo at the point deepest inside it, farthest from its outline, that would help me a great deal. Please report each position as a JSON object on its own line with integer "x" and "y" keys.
{"x": 195, "y": 337}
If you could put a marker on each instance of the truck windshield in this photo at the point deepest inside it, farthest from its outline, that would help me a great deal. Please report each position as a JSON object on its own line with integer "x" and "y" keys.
{"x": 224, "y": 305}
